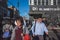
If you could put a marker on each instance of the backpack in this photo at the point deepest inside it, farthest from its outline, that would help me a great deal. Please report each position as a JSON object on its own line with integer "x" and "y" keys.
{"x": 6, "y": 34}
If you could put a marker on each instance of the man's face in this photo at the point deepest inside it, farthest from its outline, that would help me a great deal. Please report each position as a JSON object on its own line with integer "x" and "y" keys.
{"x": 39, "y": 19}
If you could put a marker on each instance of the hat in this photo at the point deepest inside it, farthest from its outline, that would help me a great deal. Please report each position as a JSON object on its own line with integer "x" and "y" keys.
{"x": 36, "y": 16}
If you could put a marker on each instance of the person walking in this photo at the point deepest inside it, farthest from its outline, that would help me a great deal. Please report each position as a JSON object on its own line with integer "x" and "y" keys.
{"x": 38, "y": 29}
{"x": 18, "y": 30}
{"x": 7, "y": 30}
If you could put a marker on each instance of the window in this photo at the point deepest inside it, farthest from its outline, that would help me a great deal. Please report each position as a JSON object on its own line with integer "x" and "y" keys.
{"x": 35, "y": 2}
{"x": 39, "y": 2}
{"x": 42, "y": 2}
{"x": 58, "y": 2}
{"x": 8, "y": 14}
{"x": 54, "y": 2}
{"x": 46, "y": 2}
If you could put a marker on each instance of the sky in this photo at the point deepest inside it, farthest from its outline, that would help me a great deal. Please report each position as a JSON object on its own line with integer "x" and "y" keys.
{"x": 23, "y": 6}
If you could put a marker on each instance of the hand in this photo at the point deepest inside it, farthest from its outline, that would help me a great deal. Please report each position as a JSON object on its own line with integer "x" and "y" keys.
{"x": 33, "y": 35}
{"x": 21, "y": 34}
{"x": 46, "y": 33}
{"x": 23, "y": 38}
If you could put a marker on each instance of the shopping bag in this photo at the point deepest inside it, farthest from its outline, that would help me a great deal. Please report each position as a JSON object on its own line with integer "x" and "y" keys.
{"x": 26, "y": 37}
{"x": 6, "y": 34}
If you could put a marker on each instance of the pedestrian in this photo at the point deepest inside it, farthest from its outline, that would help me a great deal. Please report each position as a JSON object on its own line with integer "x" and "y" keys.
{"x": 18, "y": 30}
{"x": 26, "y": 32}
{"x": 7, "y": 30}
{"x": 38, "y": 29}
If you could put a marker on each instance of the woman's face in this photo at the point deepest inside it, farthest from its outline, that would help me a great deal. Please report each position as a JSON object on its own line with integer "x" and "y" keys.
{"x": 18, "y": 23}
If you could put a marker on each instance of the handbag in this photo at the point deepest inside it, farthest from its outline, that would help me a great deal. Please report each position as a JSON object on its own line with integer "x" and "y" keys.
{"x": 26, "y": 37}
{"x": 6, "y": 34}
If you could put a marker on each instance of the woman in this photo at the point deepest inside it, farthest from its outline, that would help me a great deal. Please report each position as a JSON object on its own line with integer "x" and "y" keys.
{"x": 17, "y": 31}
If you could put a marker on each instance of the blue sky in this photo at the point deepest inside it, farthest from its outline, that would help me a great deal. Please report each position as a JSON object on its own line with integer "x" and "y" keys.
{"x": 23, "y": 6}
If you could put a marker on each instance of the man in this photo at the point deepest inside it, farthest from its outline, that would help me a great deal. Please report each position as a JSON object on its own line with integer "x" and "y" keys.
{"x": 40, "y": 28}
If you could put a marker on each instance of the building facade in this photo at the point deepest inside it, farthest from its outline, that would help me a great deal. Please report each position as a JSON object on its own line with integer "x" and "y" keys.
{"x": 13, "y": 12}
{"x": 48, "y": 8}
{"x": 3, "y": 11}
{"x": 3, "y": 7}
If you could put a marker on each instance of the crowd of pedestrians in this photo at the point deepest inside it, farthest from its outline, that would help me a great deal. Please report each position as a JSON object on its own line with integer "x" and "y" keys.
{"x": 25, "y": 30}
